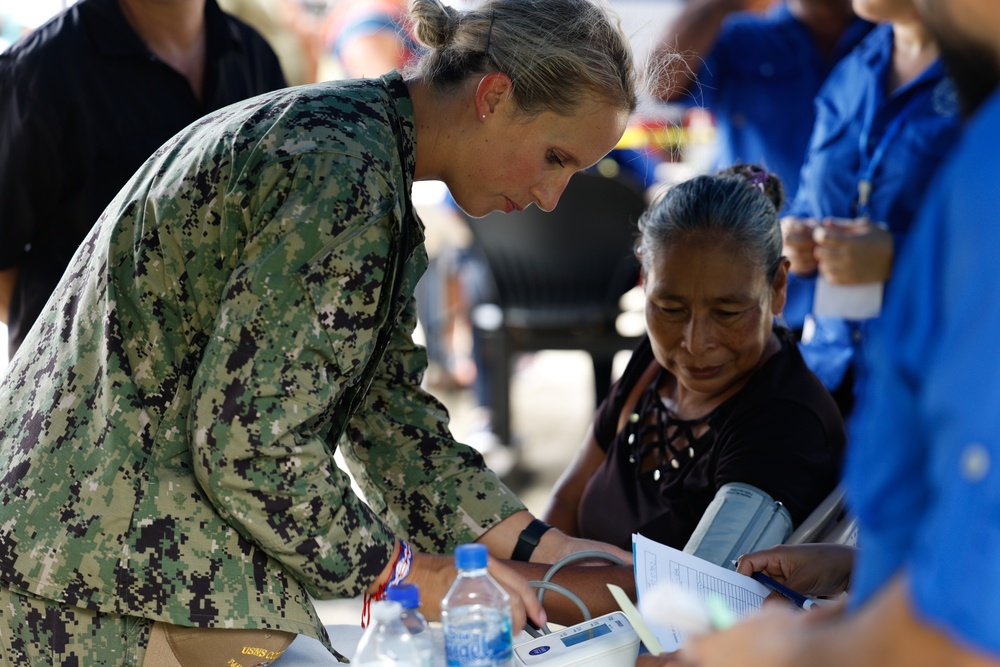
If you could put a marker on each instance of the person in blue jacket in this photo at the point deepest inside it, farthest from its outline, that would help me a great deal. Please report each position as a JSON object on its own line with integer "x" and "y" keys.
{"x": 757, "y": 72}
{"x": 885, "y": 118}
{"x": 923, "y": 474}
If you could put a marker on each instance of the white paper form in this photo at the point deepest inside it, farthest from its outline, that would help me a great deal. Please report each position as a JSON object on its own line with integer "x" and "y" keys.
{"x": 655, "y": 563}
{"x": 851, "y": 302}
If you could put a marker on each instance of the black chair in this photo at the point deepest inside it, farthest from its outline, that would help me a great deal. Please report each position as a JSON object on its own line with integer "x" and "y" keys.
{"x": 558, "y": 279}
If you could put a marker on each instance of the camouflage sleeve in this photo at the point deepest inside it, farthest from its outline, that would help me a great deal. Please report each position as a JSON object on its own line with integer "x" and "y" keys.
{"x": 436, "y": 492}
{"x": 287, "y": 341}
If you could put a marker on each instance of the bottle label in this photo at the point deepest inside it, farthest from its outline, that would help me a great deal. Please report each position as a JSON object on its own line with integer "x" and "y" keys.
{"x": 480, "y": 645}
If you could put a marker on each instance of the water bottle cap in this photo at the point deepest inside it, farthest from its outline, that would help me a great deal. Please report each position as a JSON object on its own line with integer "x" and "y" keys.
{"x": 470, "y": 556}
{"x": 384, "y": 611}
{"x": 407, "y": 595}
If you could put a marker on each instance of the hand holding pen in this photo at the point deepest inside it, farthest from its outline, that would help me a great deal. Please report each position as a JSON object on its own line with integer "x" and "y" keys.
{"x": 808, "y": 569}
{"x": 772, "y": 636}
{"x": 794, "y": 597}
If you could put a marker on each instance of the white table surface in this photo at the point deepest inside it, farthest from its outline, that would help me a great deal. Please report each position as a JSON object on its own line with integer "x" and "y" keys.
{"x": 308, "y": 652}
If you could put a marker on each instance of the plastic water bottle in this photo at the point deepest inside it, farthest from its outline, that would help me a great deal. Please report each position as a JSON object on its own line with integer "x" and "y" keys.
{"x": 408, "y": 596}
{"x": 386, "y": 641}
{"x": 476, "y": 614}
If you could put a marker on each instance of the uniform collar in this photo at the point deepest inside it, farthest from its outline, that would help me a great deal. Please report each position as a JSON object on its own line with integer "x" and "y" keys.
{"x": 853, "y": 33}
{"x": 403, "y": 122}
{"x": 876, "y": 53}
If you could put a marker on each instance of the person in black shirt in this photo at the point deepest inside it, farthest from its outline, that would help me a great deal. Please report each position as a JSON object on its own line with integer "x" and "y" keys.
{"x": 84, "y": 100}
{"x": 716, "y": 408}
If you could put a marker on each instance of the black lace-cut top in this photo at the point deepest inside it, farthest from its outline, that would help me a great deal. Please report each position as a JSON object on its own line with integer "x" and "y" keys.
{"x": 657, "y": 438}
{"x": 781, "y": 432}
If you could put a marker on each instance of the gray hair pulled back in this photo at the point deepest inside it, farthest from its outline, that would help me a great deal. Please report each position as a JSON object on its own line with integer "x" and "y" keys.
{"x": 740, "y": 204}
{"x": 556, "y": 52}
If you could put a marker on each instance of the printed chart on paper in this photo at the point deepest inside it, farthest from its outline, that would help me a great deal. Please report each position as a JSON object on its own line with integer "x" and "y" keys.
{"x": 655, "y": 562}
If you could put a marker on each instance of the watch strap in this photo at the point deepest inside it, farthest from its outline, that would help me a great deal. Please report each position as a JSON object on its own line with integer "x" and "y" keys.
{"x": 528, "y": 540}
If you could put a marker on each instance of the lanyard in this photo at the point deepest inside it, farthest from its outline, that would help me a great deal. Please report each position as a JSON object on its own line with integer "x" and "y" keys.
{"x": 875, "y": 157}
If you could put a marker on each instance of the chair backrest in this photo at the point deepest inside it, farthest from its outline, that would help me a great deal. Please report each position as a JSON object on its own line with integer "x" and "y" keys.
{"x": 829, "y": 522}
{"x": 571, "y": 263}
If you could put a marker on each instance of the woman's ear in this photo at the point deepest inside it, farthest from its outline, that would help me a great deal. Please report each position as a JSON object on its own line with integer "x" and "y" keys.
{"x": 642, "y": 264}
{"x": 493, "y": 90}
{"x": 779, "y": 287}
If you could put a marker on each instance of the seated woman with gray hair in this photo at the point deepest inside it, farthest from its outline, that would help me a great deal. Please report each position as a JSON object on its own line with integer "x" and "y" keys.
{"x": 717, "y": 438}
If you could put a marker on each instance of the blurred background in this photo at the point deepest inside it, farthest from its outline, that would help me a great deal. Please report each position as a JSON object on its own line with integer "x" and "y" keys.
{"x": 680, "y": 138}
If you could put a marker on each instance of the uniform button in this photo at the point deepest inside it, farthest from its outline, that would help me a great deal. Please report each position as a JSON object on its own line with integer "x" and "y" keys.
{"x": 975, "y": 462}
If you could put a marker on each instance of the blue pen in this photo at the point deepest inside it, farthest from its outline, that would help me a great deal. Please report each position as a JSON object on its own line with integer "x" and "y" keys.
{"x": 797, "y": 598}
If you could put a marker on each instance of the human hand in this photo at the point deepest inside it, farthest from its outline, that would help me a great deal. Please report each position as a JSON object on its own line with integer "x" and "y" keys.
{"x": 742, "y": 5}
{"x": 649, "y": 660}
{"x": 555, "y": 545}
{"x": 810, "y": 569}
{"x": 799, "y": 246}
{"x": 851, "y": 252}
{"x": 435, "y": 574}
{"x": 523, "y": 598}
{"x": 757, "y": 5}
{"x": 768, "y": 639}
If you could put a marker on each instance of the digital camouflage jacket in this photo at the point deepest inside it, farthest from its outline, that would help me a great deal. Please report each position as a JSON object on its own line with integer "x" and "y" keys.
{"x": 241, "y": 308}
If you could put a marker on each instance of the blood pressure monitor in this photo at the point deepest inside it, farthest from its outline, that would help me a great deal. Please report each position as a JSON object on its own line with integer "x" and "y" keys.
{"x": 606, "y": 641}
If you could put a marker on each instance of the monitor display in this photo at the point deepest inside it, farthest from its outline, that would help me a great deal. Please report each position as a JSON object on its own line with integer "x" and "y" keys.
{"x": 581, "y": 637}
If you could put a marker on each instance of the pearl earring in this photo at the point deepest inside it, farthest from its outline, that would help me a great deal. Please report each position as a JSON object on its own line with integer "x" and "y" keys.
{"x": 484, "y": 116}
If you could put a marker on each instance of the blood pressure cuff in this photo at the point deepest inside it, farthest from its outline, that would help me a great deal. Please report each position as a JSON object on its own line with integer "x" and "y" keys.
{"x": 740, "y": 519}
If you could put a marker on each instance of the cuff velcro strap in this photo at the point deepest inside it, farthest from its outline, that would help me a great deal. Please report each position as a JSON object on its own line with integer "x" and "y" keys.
{"x": 528, "y": 540}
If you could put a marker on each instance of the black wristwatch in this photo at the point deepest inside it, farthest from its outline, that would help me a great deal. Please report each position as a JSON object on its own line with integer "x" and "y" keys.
{"x": 528, "y": 540}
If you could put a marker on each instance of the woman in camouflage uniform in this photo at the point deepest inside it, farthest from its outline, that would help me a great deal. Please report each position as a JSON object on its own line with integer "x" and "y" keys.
{"x": 242, "y": 309}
